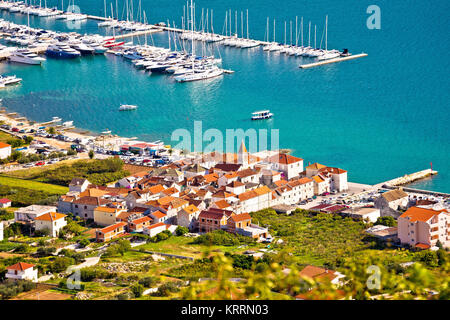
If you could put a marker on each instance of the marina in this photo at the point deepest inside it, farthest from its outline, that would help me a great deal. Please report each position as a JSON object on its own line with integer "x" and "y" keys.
{"x": 274, "y": 77}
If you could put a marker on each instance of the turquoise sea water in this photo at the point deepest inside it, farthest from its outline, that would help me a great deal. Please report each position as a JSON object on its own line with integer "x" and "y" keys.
{"x": 379, "y": 117}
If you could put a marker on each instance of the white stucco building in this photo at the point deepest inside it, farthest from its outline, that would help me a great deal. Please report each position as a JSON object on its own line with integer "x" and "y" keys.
{"x": 22, "y": 271}
{"x": 53, "y": 222}
{"x": 5, "y": 150}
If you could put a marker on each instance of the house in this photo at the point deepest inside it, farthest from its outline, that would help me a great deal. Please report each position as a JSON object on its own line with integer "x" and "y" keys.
{"x": 221, "y": 204}
{"x": 213, "y": 219}
{"x": 52, "y": 222}
{"x": 289, "y": 165}
{"x": 168, "y": 205}
{"x": 254, "y": 200}
{"x": 110, "y": 232}
{"x": 158, "y": 216}
{"x": 337, "y": 178}
{"x": 365, "y": 214}
{"x": 5, "y": 150}
{"x": 383, "y": 232}
{"x": 138, "y": 225}
{"x": 391, "y": 201}
{"x": 250, "y": 175}
{"x": 30, "y": 213}
{"x": 321, "y": 184}
{"x": 5, "y": 203}
{"x": 227, "y": 178}
{"x": 84, "y": 207}
{"x": 319, "y": 274}
{"x": 154, "y": 229}
{"x": 194, "y": 170}
{"x": 188, "y": 217}
{"x": 78, "y": 185}
{"x": 421, "y": 227}
{"x": 313, "y": 169}
{"x": 22, "y": 271}
{"x": 106, "y": 216}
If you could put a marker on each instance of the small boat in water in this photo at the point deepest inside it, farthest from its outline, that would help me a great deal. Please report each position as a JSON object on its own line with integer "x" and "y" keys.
{"x": 263, "y": 114}
{"x": 6, "y": 80}
{"x": 126, "y": 107}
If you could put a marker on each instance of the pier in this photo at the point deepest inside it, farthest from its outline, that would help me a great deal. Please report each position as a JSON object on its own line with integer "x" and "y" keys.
{"x": 321, "y": 63}
{"x": 137, "y": 33}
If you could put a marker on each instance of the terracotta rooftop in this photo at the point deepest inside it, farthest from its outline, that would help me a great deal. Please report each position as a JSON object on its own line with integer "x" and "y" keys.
{"x": 50, "y": 216}
{"x": 20, "y": 266}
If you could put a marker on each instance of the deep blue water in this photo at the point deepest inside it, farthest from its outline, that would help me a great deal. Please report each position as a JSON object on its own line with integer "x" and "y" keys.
{"x": 379, "y": 117}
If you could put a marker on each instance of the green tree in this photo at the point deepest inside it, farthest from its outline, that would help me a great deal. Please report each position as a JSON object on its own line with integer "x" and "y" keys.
{"x": 137, "y": 290}
{"x": 91, "y": 154}
{"x": 181, "y": 231}
{"x": 386, "y": 221}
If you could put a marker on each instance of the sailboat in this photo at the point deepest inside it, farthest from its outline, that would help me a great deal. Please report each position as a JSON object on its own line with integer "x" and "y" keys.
{"x": 332, "y": 53}
{"x": 193, "y": 74}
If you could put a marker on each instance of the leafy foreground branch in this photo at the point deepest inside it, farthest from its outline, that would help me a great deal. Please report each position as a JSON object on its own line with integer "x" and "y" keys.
{"x": 282, "y": 281}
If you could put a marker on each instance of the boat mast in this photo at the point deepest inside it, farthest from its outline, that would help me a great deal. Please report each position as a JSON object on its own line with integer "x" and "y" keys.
{"x": 192, "y": 37}
{"x": 242, "y": 24}
{"x": 309, "y": 35}
{"x": 302, "y": 30}
{"x": 247, "y": 25}
{"x": 315, "y": 31}
{"x": 290, "y": 23}
{"x": 274, "y": 30}
{"x": 296, "y": 32}
{"x": 284, "y": 32}
{"x": 326, "y": 33}
{"x": 235, "y": 24}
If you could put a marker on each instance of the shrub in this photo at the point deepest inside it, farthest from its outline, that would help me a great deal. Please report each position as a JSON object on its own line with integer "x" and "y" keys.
{"x": 148, "y": 282}
{"x": 89, "y": 274}
{"x": 137, "y": 290}
{"x": 60, "y": 264}
{"x": 83, "y": 243}
{"x": 386, "y": 221}
{"x": 220, "y": 237}
{"x": 181, "y": 231}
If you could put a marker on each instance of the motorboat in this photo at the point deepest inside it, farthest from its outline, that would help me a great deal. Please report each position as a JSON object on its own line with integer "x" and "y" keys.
{"x": 26, "y": 57}
{"x": 261, "y": 115}
{"x": 8, "y": 80}
{"x": 62, "y": 51}
{"x": 127, "y": 107}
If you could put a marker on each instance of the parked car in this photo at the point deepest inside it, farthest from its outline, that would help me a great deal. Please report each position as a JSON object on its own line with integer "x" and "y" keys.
{"x": 15, "y": 129}
{"x": 40, "y": 163}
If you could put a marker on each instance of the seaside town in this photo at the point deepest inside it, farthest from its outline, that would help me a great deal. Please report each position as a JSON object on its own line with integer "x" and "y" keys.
{"x": 127, "y": 214}
{"x": 86, "y": 216}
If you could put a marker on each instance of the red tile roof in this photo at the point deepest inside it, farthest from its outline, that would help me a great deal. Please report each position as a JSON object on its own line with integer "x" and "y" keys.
{"x": 420, "y": 214}
{"x": 4, "y": 200}
{"x": 20, "y": 266}
{"x": 112, "y": 227}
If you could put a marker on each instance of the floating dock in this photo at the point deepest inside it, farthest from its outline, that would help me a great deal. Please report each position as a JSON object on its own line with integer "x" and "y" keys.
{"x": 320, "y": 63}
{"x": 137, "y": 33}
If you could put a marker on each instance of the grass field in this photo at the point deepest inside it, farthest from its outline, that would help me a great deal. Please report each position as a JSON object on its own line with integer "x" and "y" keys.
{"x": 4, "y": 137}
{"x": 183, "y": 246}
{"x": 33, "y": 185}
{"x": 315, "y": 239}
{"x": 34, "y": 172}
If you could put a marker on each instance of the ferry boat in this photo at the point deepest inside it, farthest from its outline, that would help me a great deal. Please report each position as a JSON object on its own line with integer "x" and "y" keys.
{"x": 263, "y": 114}
{"x": 6, "y": 80}
{"x": 62, "y": 51}
{"x": 126, "y": 107}
{"x": 26, "y": 57}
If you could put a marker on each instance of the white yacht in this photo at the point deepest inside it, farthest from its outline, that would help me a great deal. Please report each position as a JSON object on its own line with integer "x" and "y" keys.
{"x": 126, "y": 107}
{"x": 26, "y": 57}
{"x": 6, "y": 80}
{"x": 263, "y": 114}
